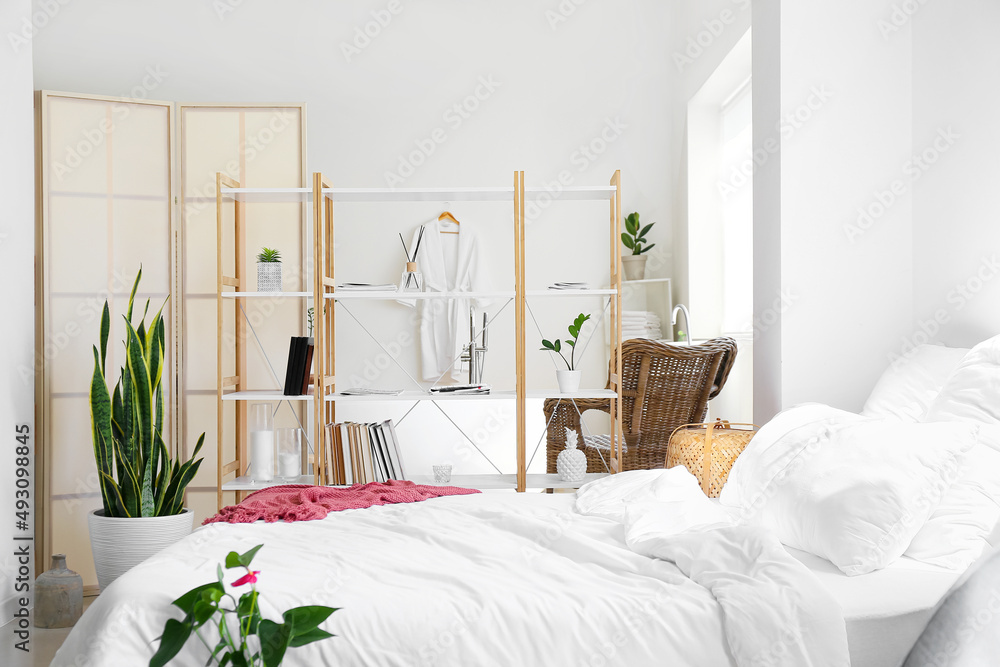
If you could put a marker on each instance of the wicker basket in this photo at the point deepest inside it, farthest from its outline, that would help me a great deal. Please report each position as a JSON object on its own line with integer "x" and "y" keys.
{"x": 708, "y": 451}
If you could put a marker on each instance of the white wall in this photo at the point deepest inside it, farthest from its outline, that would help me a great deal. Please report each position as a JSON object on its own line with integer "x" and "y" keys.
{"x": 956, "y": 212}
{"x": 561, "y": 76}
{"x": 841, "y": 293}
{"x": 17, "y": 276}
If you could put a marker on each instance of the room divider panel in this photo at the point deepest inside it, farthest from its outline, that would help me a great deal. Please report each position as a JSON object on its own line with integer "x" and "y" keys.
{"x": 119, "y": 187}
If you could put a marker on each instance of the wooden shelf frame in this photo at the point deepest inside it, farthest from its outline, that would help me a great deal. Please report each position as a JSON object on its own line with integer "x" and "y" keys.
{"x": 322, "y": 196}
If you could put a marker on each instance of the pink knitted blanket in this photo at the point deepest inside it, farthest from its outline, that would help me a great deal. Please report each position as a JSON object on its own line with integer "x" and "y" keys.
{"x": 302, "y": 502}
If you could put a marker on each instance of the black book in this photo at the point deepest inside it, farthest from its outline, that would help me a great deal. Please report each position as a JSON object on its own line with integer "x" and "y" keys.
{"x": 290, "y": 367}
{"x": 296, "y": 363}
{"x": 307, "y": 366}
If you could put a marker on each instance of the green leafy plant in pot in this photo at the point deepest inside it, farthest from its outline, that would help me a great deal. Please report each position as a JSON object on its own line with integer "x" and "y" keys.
{"x": 142, "y": 488}
{"x": 569, "y": 379}
{"x": 269, "y": 270}
{"x": 634, "y": 238}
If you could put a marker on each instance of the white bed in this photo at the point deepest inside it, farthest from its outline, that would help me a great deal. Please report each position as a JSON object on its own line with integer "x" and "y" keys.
{"x": 640, "y": 568}
{"x": 489, "y": 579}
{"x": 573, "y": 587}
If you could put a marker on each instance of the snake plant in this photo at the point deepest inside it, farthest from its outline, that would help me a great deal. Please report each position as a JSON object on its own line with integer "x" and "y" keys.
{"x": 137, "y": 476}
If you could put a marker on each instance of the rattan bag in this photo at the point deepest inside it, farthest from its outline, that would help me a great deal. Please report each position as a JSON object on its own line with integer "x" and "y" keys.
{"x": 708, "y": 451}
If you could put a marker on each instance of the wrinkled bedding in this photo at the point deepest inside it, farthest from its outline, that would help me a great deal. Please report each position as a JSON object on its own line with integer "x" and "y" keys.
{"x": 493, "y": 579}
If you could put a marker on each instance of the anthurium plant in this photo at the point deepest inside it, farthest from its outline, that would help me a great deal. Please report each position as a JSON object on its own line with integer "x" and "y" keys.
{"x": 556, "y": 345}
{"x": 137, "y": 476}
{"x": 211, "y": 611}
{"x": 633, "y": 237}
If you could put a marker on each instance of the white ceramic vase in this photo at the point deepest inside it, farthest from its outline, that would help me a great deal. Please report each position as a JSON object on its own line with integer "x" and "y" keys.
{"x": 569, "y": 381}
{"x": 634, "y": 267}
{"x": 268, "y": 276}
{"x": 119, "y": 544}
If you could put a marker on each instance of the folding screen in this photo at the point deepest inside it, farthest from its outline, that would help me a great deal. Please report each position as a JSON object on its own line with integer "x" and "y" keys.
{"x": 107, "y": 201}
{"x": 104, "y": 206}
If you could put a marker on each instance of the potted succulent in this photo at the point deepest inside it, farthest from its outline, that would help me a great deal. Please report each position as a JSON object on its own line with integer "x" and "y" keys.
{"x": 634, "y": 238}
{"x": 269, "y": 270}
{"x": 142, "y": 488}
{"x": 569, "y": 379}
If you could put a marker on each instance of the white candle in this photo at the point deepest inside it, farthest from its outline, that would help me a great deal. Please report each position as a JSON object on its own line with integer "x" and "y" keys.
{"x": 289, "y": 466}
{"x": 262, "y": 456}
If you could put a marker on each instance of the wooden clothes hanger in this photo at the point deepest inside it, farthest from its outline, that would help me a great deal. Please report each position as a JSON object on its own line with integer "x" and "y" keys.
{"x": 448, "y": 216}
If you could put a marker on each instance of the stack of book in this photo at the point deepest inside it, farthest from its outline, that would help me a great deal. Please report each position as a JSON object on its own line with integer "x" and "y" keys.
{"x": 362, "y": 453}
{"x": 367, "y": 287}
{"x": 569, "y": 286}
{"x": 297, "y": 376}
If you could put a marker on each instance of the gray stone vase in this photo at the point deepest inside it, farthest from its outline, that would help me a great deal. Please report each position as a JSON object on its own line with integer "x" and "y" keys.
{"x": 58, "y": 596}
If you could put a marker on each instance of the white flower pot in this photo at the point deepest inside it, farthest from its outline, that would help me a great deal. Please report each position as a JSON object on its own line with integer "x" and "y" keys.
{"x": 268, "y": 276}
{"x": 569, "y": 381}
{"x": 119, "y": 544}
{"x": 634, "y": 266}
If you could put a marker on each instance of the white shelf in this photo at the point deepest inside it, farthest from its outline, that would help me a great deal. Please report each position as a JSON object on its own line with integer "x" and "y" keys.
{"x": 487, "y": 482}
{"x": 360, "y": 295}
{"x": 571, "y": 292}
{"x": 419, "y": 194}
{"x": 269, "y": 195}
{"x": 555, "y": 393}
{"x": 278, "y": 295}
{"x": 645, "y": 281}
{"x": 264, "y": 395}
{"x": 423, "y": 396}
{"x": 503, "y": 194}
{"x": 246, "y": 484}
{"x": 573, "y": 193}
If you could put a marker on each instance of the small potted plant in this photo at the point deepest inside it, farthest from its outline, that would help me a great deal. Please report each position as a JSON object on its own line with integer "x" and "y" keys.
{"x": 569, "y": 379}
{"x": 142, "y": 487}
{"x": 268, "y": 270}
{"x": 634, "y": 238}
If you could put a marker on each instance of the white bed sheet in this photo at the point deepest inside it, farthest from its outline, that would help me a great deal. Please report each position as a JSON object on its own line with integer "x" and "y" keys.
{"x": 885, "y": 610}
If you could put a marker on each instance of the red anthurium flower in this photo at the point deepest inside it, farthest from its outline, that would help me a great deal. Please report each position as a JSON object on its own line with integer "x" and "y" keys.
{"x": 248, "y": 578}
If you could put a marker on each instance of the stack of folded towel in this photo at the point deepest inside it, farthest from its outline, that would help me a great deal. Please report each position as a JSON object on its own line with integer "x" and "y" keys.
{"x": 640, "y": 324}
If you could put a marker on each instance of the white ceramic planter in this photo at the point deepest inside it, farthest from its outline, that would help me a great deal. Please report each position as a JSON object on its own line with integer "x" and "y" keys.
{"x": 120, "y": 544}
{"x": 569, "y": 381}
{"x": 268, "y": 276}
{"x": 634, "y": 267}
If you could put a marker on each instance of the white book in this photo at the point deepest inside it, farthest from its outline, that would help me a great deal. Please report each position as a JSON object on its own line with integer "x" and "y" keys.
{"x": 394, "y": 448}
{"x": 345, "y": 449}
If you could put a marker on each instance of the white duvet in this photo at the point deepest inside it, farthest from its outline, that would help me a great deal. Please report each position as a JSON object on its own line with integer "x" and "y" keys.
{"x": 493, "y": 580}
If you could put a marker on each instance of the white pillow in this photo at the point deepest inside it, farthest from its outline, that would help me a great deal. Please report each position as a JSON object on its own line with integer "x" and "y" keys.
{"x": 907, "y": 388}
{"x": 854, "y": 491}
{"x": 958, "y": 531}
{"x": 972, "y": 392}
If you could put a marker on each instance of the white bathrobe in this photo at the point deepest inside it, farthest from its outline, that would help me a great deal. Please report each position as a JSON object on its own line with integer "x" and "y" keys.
{"x": 449, "y": 263}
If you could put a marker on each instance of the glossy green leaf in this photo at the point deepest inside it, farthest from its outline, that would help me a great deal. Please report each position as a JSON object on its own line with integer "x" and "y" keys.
{"x": 274, "y": 640}
{"x": 313, "y": 635}
{"x": 100, "y": 427}
{"x": 175, "y": 635}
{"x": 627, "y": 241}
{"x": 305, "y": 619}
{"x": 648, "y": 248}
{"x": 187, "y": 601}
{"x": 105, "y": 330}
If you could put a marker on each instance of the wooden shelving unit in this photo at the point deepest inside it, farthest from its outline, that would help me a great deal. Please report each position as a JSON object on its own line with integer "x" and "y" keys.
{"x": 323, "y": 399}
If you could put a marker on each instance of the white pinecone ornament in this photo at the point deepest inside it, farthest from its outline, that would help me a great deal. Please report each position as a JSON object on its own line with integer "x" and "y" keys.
{"x": 571, "y": 464}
